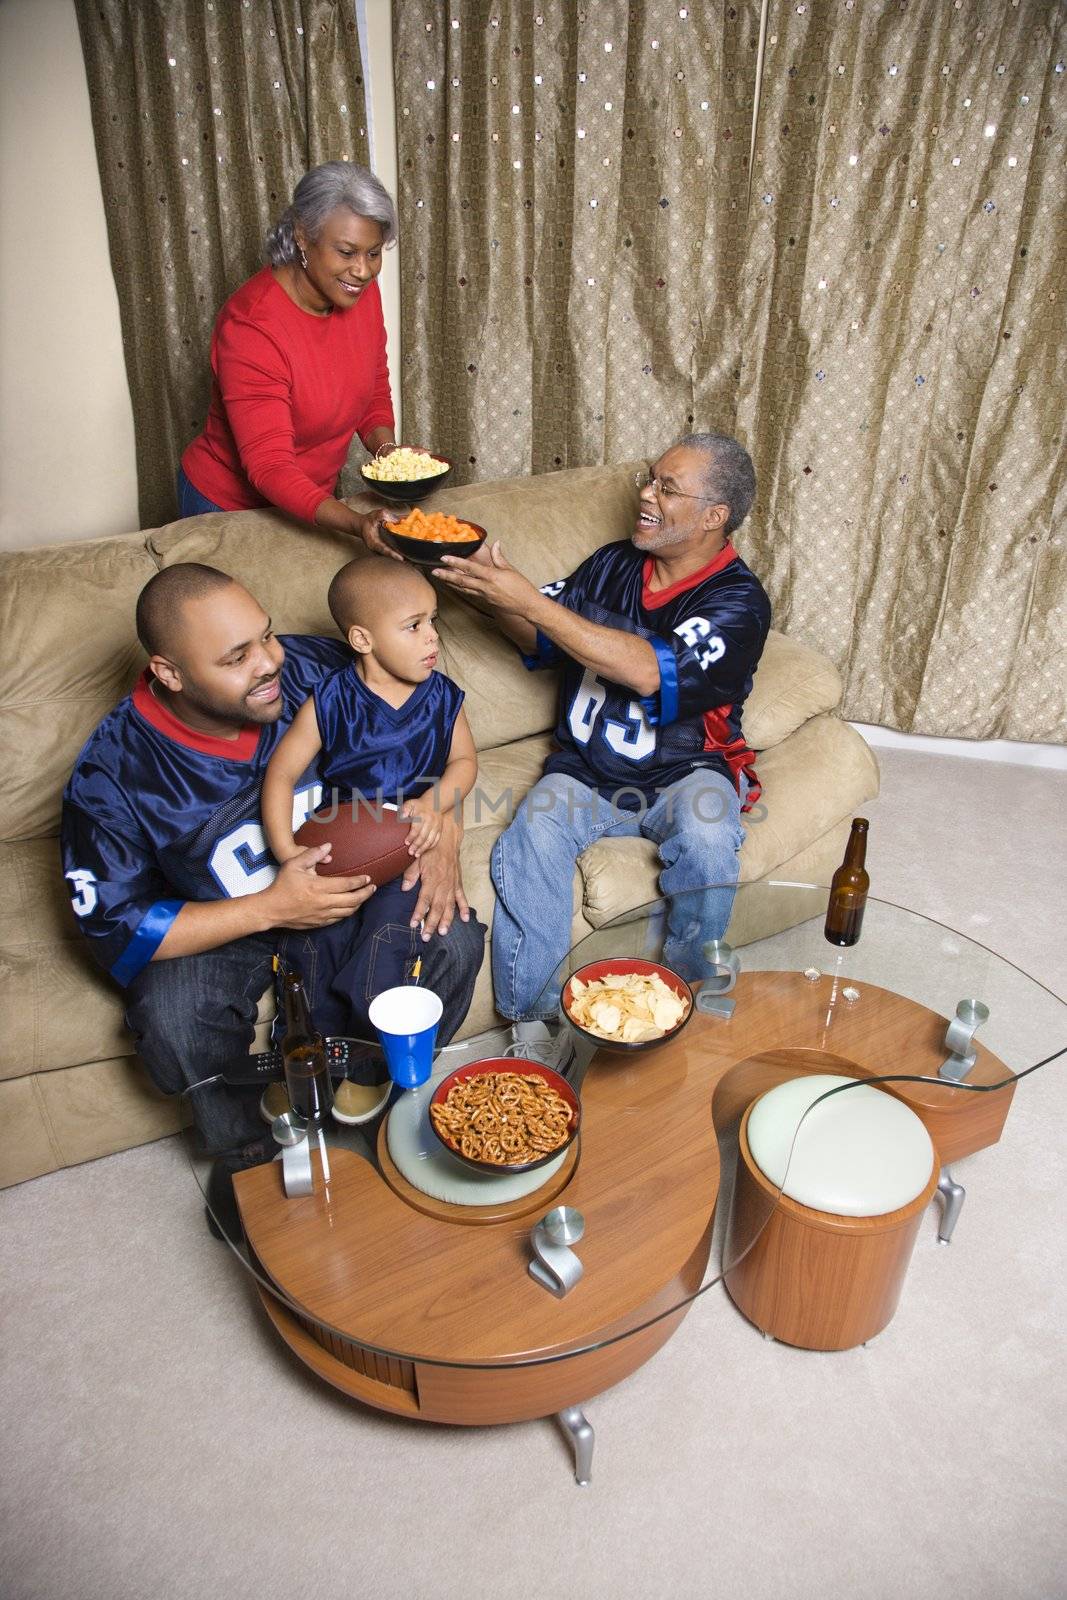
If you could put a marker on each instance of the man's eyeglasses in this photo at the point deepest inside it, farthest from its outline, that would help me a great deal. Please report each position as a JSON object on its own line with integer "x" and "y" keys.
{"x": 665, "y": 491}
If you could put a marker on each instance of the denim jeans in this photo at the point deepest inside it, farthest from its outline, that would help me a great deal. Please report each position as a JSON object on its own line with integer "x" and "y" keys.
{"x": 191, "y": 503}
{"x": 194, "y": 1016}
{"x": 696, "y": 824}
{"x": 345, "y": 965}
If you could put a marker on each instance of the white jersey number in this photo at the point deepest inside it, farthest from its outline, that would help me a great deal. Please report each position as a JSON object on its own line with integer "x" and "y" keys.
{"x": 697, "y": 634}
{"x": 84, "y": 899}
{"x": 242, "y": 864}
{"x": 634, "y": 739}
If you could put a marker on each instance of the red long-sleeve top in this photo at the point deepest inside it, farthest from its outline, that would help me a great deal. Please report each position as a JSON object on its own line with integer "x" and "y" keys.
{"x": 288, "y": 391}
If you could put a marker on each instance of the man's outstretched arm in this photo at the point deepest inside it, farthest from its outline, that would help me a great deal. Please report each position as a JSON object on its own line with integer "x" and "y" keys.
{"x": 522, "y": 612}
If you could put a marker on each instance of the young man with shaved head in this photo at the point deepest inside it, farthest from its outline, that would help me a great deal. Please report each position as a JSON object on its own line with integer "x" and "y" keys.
{"x": 657, "y": 637}
{"x": 171, "y": 878}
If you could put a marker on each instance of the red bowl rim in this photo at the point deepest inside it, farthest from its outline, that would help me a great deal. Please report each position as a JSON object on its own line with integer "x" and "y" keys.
{"x": 644, "y": 969}
{"x": 515, "y": 1065}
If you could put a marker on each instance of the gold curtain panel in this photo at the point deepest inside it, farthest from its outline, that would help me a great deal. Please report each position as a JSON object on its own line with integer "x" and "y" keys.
{"x": 591, "y": 266}
{"x": 205, "y": 116}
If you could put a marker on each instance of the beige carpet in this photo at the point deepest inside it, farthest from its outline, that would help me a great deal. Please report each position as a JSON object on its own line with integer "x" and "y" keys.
{"x": 158, "y": 1441}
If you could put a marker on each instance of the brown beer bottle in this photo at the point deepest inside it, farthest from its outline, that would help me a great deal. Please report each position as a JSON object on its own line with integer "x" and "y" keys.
{"x": 307, "y": 1077}
{"x": 848, "y": 889}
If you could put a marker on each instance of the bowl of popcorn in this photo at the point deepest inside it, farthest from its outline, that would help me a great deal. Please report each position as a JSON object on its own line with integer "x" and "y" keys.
{"x": 406, "y": 474}
{"x": 627, "y": 1005}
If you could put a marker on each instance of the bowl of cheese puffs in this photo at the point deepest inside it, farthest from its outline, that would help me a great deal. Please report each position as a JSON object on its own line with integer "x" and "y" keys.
{"x": 405, "y": 475}
{"x": 425, "y": 536}
{"x": 627, "y": 1005}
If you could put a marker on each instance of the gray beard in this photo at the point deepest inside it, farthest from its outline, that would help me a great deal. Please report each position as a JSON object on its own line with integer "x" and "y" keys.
{"x": 662, "y": 538}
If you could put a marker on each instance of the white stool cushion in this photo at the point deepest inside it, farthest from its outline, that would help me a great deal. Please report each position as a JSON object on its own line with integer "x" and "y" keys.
{"x": 858, "y": 1154}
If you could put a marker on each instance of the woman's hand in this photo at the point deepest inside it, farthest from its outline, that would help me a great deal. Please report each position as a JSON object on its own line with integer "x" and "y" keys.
{"x": 370, "y": 531}
{"x": 365, "y": 525}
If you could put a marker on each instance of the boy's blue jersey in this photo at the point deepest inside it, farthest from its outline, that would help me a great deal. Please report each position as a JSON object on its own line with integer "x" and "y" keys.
{"x": 381, "y": 751}
{"x": 156, "y": 814}
{"x": 708, "y": 633}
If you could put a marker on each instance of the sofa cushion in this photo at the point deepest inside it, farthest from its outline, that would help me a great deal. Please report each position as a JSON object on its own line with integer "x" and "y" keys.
{"x": 54, "y": 1119}
{"x": 59, "y": 1008}
{"x": 792, "y": 683}
{"x": 70, "y": 652}
{"x": 286, "y": 566}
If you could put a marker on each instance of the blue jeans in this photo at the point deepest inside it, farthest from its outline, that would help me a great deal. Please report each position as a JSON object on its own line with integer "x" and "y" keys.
{"x": 193, "y": 1017}
{"x": 346, "y": 964}
{"x": 696, "y": 824}
{"x": 191, "y": 503}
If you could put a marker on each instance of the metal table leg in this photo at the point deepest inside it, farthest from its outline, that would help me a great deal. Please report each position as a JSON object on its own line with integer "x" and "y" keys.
{"x": 953, "y": 1194}
{"x": 579, "y": 1430}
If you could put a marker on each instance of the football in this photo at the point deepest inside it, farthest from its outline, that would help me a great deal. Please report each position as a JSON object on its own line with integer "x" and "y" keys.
{"x": 361, "y": 840}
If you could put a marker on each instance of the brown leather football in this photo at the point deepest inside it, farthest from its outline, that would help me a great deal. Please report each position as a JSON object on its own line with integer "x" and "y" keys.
{"x": 361, "y": 840}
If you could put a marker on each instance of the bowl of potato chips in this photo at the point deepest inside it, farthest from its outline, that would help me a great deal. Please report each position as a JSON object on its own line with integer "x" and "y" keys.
{"x": 405, "y": 474}
{"x": 627, "y": 1004}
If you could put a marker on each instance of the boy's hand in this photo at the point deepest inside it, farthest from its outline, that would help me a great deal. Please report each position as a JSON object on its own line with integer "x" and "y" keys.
{"x": 425, "y": 819}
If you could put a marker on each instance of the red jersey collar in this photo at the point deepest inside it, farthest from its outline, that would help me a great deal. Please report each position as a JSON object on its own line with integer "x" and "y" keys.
{"x": 243, "y": 748}
{"x": 651, "y": 598}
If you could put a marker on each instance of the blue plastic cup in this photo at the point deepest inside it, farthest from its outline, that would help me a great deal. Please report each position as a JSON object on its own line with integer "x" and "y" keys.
{"x": 406, "y": 1022}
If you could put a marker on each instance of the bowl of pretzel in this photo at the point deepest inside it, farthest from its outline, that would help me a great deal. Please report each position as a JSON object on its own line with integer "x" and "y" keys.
{"x": 627, "y": 1005}
{"x": 505, "y": 1114}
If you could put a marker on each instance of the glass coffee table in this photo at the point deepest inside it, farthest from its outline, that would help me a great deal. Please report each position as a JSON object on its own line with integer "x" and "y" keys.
{"x": 404, "y": 1278}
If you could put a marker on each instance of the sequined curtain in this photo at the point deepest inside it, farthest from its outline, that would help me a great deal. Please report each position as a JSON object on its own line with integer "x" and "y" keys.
{"x": 205, "y": 114}
{"x": 572, "y": 187}
{"x": 590, "y": 267}
{"x": 903, "y": 378}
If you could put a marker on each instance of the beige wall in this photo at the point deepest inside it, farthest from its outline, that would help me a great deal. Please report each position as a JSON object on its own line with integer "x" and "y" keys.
{"x": 381, "y": 110}
{"x": 66, "y": 428}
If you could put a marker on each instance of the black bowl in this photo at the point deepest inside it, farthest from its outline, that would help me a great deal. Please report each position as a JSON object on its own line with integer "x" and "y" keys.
{"x": 513, "y": 1066}
{"x": 428, "y": 553}
{"x": 406, "y": 491}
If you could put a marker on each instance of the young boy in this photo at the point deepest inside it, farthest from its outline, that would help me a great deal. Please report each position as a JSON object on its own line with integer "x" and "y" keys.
{"x": 391, "y": 728}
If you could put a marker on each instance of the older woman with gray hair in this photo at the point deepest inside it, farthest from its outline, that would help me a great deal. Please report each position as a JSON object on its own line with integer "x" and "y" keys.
{"x": 299, "y": 364}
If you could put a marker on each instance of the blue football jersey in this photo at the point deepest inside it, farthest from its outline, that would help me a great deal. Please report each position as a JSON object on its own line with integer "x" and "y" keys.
{"x": 156, "y": 814}
{"x": 380, "y": 751}
{"x": 708, "y": 632}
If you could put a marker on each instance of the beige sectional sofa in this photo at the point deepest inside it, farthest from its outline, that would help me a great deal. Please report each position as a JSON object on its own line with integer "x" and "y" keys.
{"x": 70, "y": 1089}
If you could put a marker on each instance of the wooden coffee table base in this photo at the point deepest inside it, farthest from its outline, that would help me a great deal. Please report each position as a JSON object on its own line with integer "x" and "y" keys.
{"x": 472, "y": 1396}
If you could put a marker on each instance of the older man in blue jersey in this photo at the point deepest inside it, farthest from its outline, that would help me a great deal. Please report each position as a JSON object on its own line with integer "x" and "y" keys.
{"x": 657, "y": 638}
{"x": 171, "y": 878}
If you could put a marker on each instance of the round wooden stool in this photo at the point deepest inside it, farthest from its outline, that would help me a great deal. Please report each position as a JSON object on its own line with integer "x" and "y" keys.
{"x": 824, "y": 1219}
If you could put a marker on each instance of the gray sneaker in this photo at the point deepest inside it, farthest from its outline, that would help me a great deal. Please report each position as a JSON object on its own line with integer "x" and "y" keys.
{"x": 537, "y": 1042}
